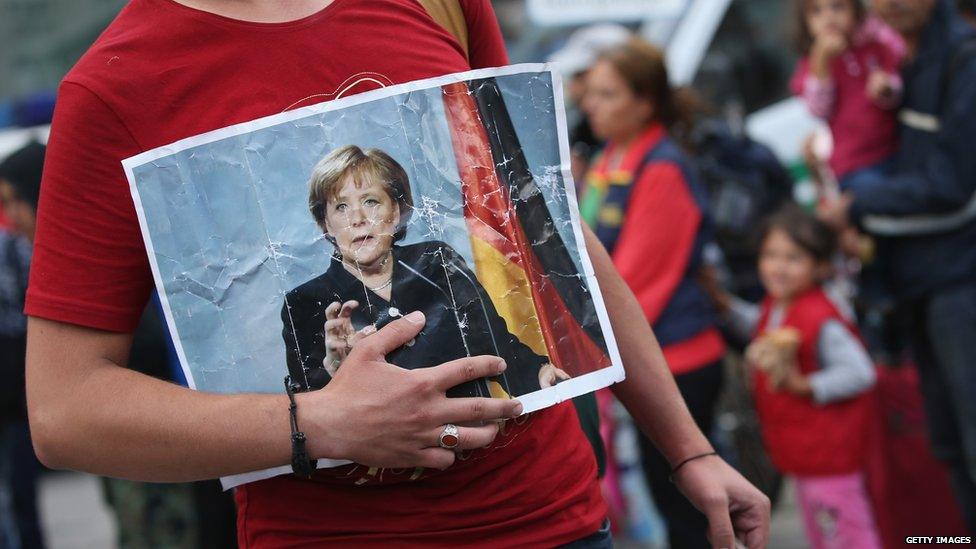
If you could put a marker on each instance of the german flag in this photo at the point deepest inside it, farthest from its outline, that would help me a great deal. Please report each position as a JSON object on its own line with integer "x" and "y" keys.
{"x": 520, "y": 258}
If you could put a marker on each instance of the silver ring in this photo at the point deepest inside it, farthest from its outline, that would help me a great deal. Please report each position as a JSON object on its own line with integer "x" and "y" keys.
{"x": 450, "y": 437}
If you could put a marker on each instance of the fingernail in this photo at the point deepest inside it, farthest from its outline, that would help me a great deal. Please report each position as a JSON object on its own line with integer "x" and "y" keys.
{"x": 415, "y": 316}
{"x": 500, "y": 367}
{"x": 369, "y": 329}
{"x": 517, "y": 410}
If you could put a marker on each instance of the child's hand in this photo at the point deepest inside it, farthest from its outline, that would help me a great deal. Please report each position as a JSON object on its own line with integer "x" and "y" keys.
{"x": 849, "y": 241}
{"x": 758, "y": 353}
{"x": 709, "y": 280}
{"x": 854, "y": 244}
{"x": 824, "y": 49}
{"x": 796, "y": 383}
{"x": 775, "y": 354}
{"x": 881, "y": 87}
{"x": 836, "y": 213}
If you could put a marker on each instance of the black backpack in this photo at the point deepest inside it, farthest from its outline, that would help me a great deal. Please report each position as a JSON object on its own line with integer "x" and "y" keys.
{"x": 745, "y": 183}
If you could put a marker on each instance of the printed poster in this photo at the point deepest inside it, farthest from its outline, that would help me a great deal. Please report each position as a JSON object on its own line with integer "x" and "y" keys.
{"x": 275, "y": 243}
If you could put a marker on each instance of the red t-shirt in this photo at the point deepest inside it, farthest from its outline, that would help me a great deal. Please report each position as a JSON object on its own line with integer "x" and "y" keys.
{"x": 162, "y": 72}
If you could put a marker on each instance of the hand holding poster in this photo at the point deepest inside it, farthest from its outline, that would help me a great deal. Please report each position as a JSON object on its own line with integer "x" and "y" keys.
{"x": 280, "y": 243}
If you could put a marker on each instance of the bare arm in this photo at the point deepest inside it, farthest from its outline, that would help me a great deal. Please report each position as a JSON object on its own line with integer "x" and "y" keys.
{"x": 732, "y": 505}
{"x": 89, "y": 413}
{"x": 664, "y": 418}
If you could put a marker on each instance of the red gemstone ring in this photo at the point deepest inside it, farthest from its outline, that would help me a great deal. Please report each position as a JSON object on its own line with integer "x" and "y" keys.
{"x": 450, "y": 437}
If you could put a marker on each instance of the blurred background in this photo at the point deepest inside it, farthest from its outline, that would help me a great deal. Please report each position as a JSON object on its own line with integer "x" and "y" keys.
{"x": 738, "y": 56}
{"x": 738, "y": 53}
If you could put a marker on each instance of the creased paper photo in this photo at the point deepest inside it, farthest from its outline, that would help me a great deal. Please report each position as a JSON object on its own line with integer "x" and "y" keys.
{"x": 280, "y": 243}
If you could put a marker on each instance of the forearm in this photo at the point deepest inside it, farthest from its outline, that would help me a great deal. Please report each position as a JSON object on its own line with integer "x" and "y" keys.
{"x": 742, "y": 317}
{"x": 90, "y": 414}
{"x": 908, "y": 194}
{"x": 124, "y": 424}
{"x": 104, "y": 419}
{"x": 649, "y": 392}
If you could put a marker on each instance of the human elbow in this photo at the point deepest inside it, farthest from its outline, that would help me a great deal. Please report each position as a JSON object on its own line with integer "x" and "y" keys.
{"x": 47, "y": 427}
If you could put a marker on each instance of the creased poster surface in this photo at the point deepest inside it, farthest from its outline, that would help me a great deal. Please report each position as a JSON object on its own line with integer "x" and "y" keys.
{"x": 276, "y": 242}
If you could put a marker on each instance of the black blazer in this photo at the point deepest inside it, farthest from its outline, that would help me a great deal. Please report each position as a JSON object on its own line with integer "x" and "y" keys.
{"x": 429, "y": 277}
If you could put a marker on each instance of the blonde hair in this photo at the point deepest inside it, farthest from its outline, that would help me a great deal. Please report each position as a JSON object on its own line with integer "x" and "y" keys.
{"x": 350, "y": 159}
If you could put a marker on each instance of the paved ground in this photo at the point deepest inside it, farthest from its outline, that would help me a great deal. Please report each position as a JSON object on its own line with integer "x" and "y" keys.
{"x": 787, "y": 529}
{"x": 75, "y": 516}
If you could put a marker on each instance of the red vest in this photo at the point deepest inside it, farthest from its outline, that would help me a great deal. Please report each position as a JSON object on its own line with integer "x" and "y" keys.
{"x": 802, "y": 437}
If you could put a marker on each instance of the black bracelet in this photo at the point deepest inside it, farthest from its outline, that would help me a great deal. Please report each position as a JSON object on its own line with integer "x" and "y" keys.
{"x": 301, "y": 464}
{"x": 674, "y": 470}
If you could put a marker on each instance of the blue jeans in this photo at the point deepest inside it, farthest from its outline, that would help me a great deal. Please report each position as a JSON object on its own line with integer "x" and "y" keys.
{"x": 945, "y": 346}
{"x": 601, "y": 539}
{"x": 881, "y": 169}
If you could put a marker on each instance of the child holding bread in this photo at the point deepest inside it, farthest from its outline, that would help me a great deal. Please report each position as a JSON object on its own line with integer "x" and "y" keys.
{"x": 812, "y": 380}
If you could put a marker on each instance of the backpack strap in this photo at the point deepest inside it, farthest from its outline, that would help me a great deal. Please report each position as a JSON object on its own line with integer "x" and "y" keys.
{"x": 449, "y": 15}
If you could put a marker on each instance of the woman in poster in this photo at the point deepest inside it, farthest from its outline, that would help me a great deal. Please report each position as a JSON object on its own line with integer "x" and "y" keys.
{"x": 362, "y": 202}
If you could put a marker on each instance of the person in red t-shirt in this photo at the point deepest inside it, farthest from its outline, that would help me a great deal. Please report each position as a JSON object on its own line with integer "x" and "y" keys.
{"x": 168, "y": 69}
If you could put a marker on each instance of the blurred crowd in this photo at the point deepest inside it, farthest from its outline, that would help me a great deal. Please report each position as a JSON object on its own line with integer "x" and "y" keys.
{"x": 831, "y": 312}
{"x": 147, "y": 515}
{"x": 837, "y": 329}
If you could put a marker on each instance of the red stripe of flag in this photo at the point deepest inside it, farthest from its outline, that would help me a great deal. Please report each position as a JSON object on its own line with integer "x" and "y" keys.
{"x": 490, "y": 215}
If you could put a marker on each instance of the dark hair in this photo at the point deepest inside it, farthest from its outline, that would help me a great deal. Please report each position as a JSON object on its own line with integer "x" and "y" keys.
{"x": 22, "y": 170}
{"x": 804, "y": 40}
{"x": 967, "y": 7}
{"x": 642, "y": 66}
{"x": 808, "y": 232}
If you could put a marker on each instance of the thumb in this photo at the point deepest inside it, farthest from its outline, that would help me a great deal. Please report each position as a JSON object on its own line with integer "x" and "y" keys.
{"x": 394, "y": 335}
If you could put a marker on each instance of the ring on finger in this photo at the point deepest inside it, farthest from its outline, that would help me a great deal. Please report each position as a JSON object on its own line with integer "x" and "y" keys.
{"x": 450, "y": 437}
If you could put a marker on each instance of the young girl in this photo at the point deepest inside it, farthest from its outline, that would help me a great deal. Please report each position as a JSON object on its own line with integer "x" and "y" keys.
{"x": 812, "y": 381}
{"x": 849, "y": 77}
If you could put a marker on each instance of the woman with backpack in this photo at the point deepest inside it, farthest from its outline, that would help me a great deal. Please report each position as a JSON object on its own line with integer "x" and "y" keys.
{"x": 647, "y": 207}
